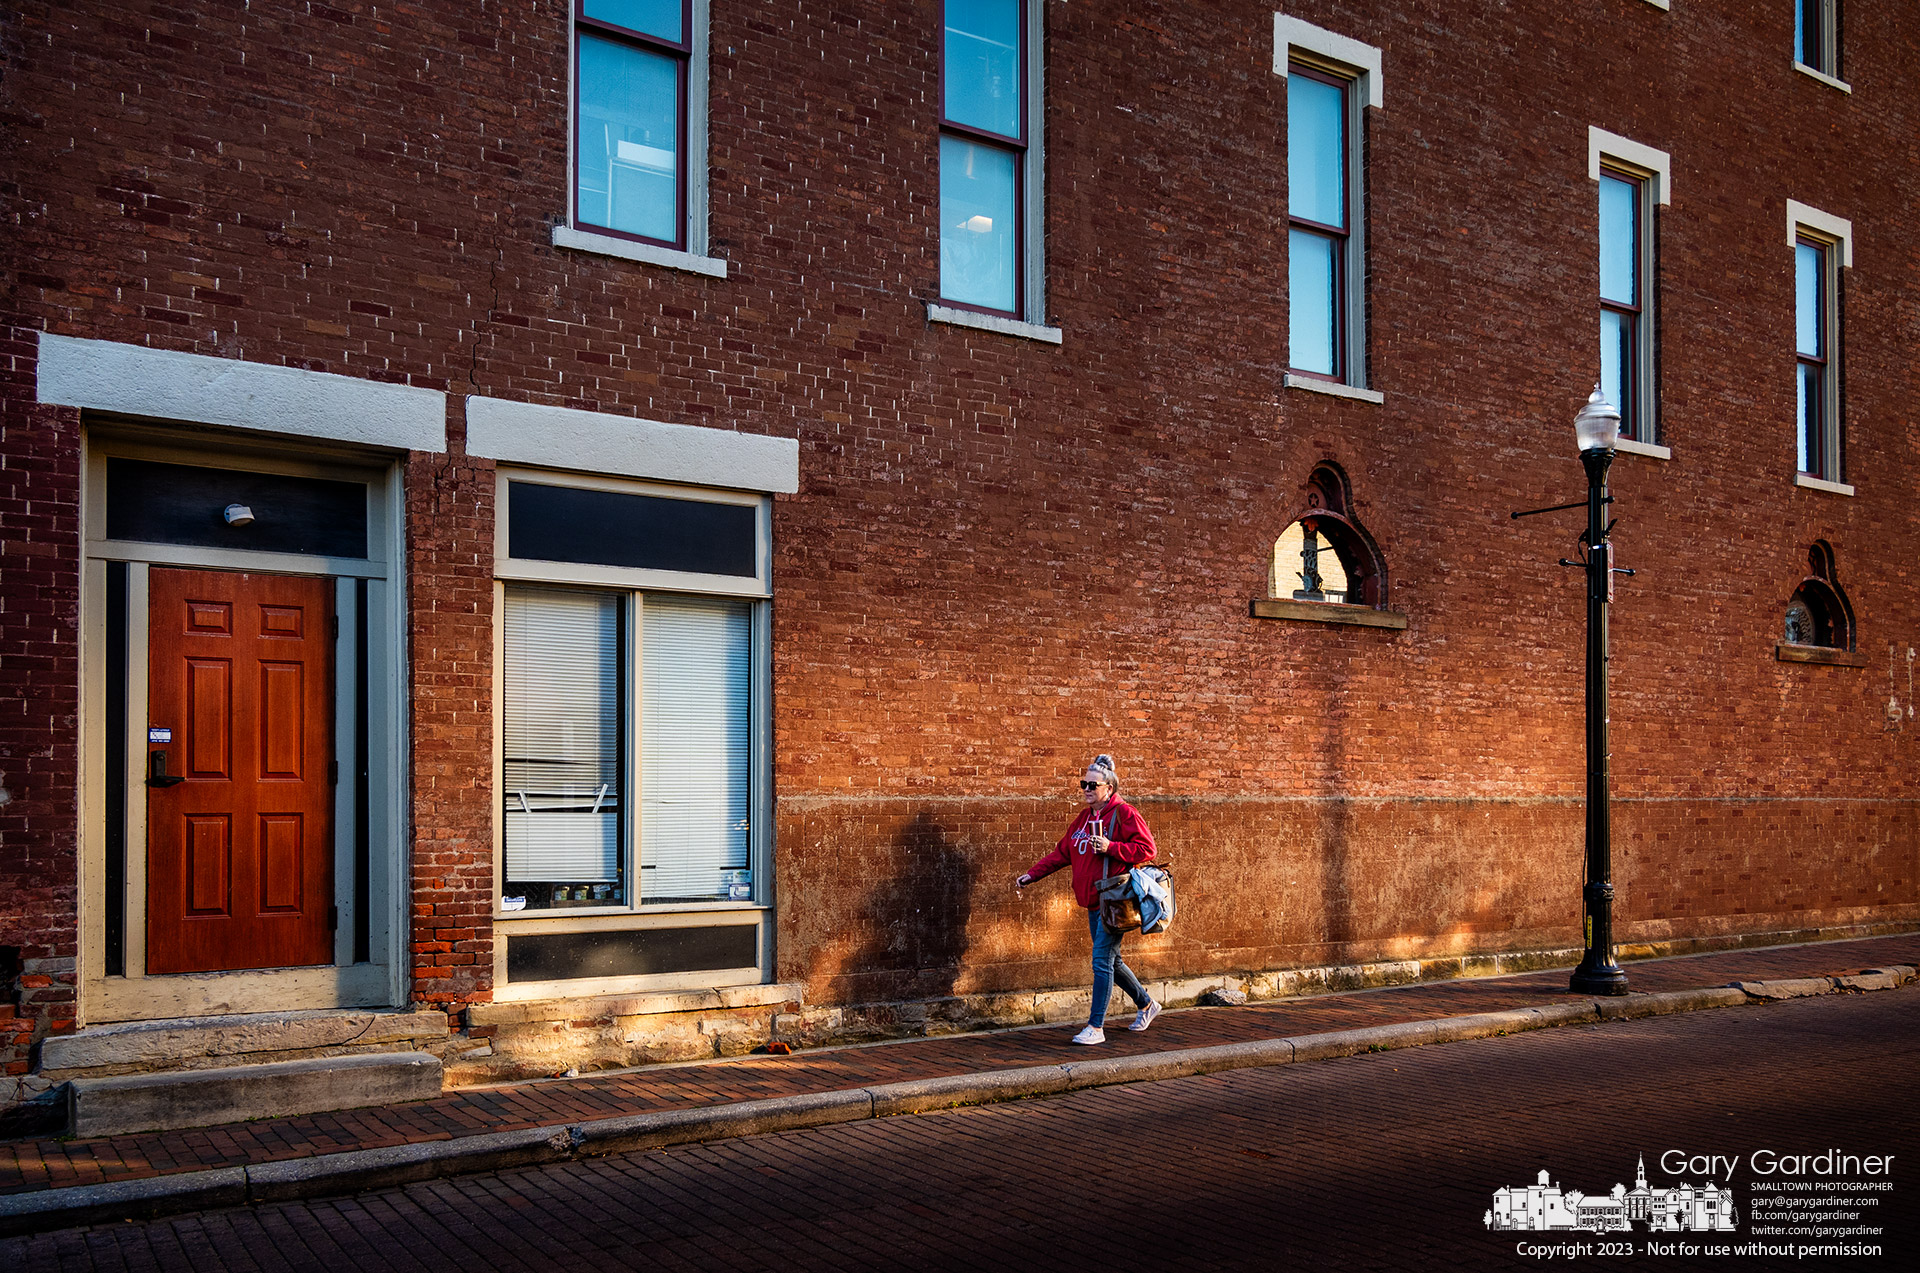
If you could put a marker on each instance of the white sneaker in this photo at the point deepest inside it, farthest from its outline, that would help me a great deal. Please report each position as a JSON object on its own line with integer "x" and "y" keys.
{"x": 1090, "y": 1034}
{"x": 1144, "y": 1018}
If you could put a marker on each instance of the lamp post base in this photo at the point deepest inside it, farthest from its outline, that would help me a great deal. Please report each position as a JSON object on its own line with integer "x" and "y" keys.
{"x": 1597, "y": 977}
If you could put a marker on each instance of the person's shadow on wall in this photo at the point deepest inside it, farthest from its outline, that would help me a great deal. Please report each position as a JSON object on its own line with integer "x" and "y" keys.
{"x": 916, "y": 915}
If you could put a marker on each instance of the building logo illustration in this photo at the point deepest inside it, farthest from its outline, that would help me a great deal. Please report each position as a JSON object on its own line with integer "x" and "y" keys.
{"x": 1543, "y": 1206}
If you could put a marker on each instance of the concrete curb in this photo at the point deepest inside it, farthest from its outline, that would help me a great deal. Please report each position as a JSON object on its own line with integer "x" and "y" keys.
{"x": 334, "y": 1174}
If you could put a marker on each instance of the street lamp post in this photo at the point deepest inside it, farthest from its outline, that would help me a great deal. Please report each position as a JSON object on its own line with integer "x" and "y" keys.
{"x": 1597, "y": 429}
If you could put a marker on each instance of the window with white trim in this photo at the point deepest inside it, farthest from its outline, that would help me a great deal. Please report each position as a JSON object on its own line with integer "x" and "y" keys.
{"x": 1632, "y": 181}
{"x": 990, "y": 169}
{"x": 1822, "y": 247}
{"x": 1816, "y": 36}
{"x": 1330, "y": 81}
{"x": 639, "y": 129}
{"x": 1626, "y": 310}
{"x": 633, "y": 755}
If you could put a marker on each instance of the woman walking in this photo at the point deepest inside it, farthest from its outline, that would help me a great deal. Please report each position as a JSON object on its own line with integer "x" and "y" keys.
{"x": 1107, "y": 831}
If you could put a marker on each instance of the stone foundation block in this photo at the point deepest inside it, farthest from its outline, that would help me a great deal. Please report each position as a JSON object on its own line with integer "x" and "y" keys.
{"x": 203, "y": 1098}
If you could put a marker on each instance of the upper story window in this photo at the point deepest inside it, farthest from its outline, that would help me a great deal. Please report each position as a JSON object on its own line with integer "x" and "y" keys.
{"x": 1632, "y": 180}
{"x": 640, "y": 132}
{"x": 1821, "y": 247}
{"x": 1624, "y": 313}
{"x": 989, "y": 174}
{"x": 630, "y": 172}
{"x": 1319, "y": 222}
{"x": 1330, "y": 80}
{"x": 1816, "y": 36}
{"x": 1813, "y": 340}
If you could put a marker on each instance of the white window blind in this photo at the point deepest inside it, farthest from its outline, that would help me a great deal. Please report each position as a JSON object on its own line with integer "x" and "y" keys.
{"x": 561, "y": 744}
{"x": 695, "y": 754}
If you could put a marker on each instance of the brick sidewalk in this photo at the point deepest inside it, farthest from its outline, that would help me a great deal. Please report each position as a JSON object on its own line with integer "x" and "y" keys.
{"x": 28, "y": 1165}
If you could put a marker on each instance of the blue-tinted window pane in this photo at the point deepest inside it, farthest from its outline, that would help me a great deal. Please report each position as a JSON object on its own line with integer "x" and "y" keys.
{"x": 978, "y": 224}
{"x": 1809, "y": 300}
{"x": 629, "y": 171}
{"x": 982, "y": 67}
{"x": 1616, "y": 361}
{"x": 1809, "y": 31}
{"x": 654, "y": 17}
{"x": 1812, "y": 403}
{"x": 1619, "y": 241}
{"x": 1316, "y": 151}
{"x": 1311, "y": 307}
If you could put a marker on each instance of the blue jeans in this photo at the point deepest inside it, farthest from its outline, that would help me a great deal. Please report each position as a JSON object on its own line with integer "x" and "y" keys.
{"x": 1107, "y": 969}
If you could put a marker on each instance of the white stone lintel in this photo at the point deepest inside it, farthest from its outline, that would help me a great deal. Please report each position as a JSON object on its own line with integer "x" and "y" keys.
{"x": 1802, "y": 216}
{"x": 627, "y": 446}
{"x": 165, "y": 384}
{"x": 1321, "y": 44}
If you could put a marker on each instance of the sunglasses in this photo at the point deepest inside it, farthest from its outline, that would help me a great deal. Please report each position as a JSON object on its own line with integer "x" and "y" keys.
{"x": 1090, "y": 786}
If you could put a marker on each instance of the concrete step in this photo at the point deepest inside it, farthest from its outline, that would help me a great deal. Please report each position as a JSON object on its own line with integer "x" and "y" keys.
{"x": 232, "y": 1094}
{"x": 136, "y": 1047}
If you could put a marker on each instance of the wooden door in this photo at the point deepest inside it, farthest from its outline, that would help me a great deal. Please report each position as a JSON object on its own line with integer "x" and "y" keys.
{"x": 240, "y": 798}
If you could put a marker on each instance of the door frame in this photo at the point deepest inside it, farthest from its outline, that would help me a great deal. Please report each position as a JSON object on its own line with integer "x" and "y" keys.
{"x": 382, "y": 978}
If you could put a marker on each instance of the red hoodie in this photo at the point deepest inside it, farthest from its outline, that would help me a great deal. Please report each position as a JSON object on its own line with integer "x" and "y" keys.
{"x": 1131, "y": 845}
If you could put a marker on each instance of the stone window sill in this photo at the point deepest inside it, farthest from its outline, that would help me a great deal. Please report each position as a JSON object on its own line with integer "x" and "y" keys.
{"x": 565, "y": 236}
{"x": 1652, "y": 450}
{"x": 1821, "y": 484}
{"x": 1790, "y": 653}
{"x": 1333, "y": 388}
{"x": 993, "y": 323}
{"x": 1327, "y": 612}
{"x": 1823, "y": 77}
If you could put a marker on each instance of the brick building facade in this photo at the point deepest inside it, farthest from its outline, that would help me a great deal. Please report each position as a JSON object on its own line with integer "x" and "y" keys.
{"x": 1002, "y": 497}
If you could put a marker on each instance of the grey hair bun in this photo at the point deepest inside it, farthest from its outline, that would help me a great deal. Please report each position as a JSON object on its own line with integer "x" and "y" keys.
{"x": 1103, "y": 766}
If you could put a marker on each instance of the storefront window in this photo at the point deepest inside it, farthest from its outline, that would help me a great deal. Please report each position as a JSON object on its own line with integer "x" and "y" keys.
{"x": 570, "y": 715}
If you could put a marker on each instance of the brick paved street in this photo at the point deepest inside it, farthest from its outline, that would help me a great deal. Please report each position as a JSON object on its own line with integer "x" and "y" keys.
{"x": 42, "y": 1163}
{"x": 1381, "y": 1161}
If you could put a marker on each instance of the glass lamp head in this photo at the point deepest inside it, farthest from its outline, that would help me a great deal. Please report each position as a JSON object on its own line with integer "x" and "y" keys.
{"x": 1597, "y": 427}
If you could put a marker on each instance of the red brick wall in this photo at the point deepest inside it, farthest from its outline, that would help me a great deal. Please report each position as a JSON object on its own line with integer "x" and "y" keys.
{"x": 39, "y": 706}
{"x": 450, "y": 649}
{"x": 1007, "y": 555}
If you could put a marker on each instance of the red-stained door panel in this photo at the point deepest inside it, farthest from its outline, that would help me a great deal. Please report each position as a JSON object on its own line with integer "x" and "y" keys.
{"x": 240, "y": 853}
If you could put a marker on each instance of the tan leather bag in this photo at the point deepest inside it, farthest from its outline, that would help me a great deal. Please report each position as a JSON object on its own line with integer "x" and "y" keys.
{"x": 1119, "y": 908}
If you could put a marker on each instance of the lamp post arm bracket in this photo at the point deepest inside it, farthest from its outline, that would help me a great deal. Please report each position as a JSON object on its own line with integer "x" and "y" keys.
{"x": 1579, "y": 503}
